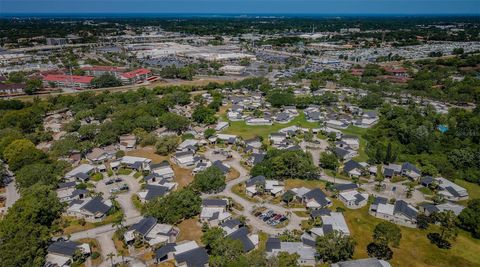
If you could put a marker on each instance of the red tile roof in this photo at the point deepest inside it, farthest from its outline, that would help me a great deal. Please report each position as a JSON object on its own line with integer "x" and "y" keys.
{"x": 135, "y": 73}
{"x": 68, "y": 78}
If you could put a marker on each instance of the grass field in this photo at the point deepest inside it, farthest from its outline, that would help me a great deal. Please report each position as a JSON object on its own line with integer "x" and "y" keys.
{"x": 240, "y": 128}
{"x": 415, "y": 249}
{"x": 190, "y": 230}
{"x": 292, "y": 183}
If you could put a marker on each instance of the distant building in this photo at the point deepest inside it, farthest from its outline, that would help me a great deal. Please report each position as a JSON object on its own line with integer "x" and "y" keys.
{"x": 74, "y": 81}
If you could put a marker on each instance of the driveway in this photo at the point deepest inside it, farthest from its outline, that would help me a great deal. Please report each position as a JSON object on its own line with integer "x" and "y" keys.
{"x": 124, "y": 199}
{"x": 400, "y": 192}
{"x": 235, "y": 162}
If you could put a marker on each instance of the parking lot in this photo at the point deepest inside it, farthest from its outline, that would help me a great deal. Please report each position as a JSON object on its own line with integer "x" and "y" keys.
{"x": 271, "y": 218}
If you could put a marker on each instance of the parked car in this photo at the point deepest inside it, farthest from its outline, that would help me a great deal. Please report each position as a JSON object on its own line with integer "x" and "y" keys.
{"x": 108, "y": 182}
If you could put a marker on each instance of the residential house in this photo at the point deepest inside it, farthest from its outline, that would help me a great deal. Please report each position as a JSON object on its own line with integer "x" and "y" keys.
{"x": 186, "y": 254}
{"x": 450, "y": 190}
{"x": 307, "y": 253}
{"x": 349, "y": 195}
{"x": 430, "y": 208}
{"x": 163, "y": 170}
{"x": 400, "y": 212}
{"x": 258, "y": 184}
{"x": 80, "y": 173}
{"x": 136, "y": 163}
{"x": 336, "y": 124}
{"x": 353, "y": 169}
{"x": 331, "y": 221}
{"x": 188, "y": 145}
{"x": 214, "y": 211}
{"x": 221, "y": 125}
{"x": 184, "y": 159}
{"x": 313, "y": 199}
{"x": 249, "y": 241}
{"x": 255, "y": 158}
{"x": 91, "y": 209}
{"x": 258, "y": 121}
{"x": 153, "y": 191}
{"x": 61, "y": 253}
{"x": 352, "y": 141}
{"x": 277, "y": 138}
{"x": 151, "y": 232}
{"x": 345, "y": 154}
{"x": 127, "y": 142}
{"x": 66, "y": 192}
{"x": 227, "y": 138}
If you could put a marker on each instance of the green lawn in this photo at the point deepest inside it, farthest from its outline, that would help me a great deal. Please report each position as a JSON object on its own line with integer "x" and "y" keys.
{"x": 240, "y": 128}
{"x": 415, "y": 249}
{"x": 472, "y": 189}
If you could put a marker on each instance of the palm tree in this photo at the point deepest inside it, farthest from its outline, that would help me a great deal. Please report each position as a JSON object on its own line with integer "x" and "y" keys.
{"x": 110, "y": 256}
{"x": 118, "y": 223}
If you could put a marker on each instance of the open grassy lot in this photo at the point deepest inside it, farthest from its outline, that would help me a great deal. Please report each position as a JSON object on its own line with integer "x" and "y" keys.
{"x": 472, "y": 189}
{"x": 240, "y": 128}
{"x": 415, "y": 249}
{"x": 292, "y": 183}
{"x": 190, "y": 230}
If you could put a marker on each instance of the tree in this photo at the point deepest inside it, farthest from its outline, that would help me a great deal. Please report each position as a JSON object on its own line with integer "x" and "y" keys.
{"x": 223, "y": 250}
{"x": 335, "y": 247}
{"x": 328, "y": 160}
{"x": 387, "y": 233}
{"x": 40, "y": 173}
{"x": 469, "y": 218}
{"x": 106, "y": 80}
{"x": 210, "y": 180}
{"x": 209, "y": 133}
{"x": 174, "y": 207}
{"x": 166, "y": 144}
{"x": 286, "y": 259}
{"x": 174, "y": 122}
{"x": 285, "y": 164}
{"x": 16, "y": 77}
{"x": 448, "y": 229}
{"x": 423, "y": 221}
{"x": 379, "y": 251}
{"x": 26, "y": 230}
{"x": 20, "y": 153}
{"x": 204, "y": 115}
{"x": 33, "y": 85}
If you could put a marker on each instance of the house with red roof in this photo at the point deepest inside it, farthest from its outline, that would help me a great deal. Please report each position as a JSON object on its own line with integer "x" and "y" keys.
{"x": 74, "y": 81}
{"x": 135, "y": 76}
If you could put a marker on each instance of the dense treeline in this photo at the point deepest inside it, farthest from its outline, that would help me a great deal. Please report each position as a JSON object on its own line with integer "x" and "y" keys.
{"x": 403, "y": 30}
{"x": 286, "y": 164}
{"x": 410, "y": 134}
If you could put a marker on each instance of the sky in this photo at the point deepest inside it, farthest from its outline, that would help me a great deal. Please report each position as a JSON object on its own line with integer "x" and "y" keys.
{"x": 321, "y": 7}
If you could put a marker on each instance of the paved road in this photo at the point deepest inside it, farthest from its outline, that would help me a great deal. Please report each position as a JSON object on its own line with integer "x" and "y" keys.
{"x": 12, "y": 194}
{"x": 254, "y": 222}
{"x": 105, "y": 233}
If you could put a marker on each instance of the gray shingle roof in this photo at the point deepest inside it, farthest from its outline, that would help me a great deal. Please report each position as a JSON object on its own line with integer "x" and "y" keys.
{"x": 155, "y": 191}
{"x": 66, "y": 248}
{"x": 197, "y": 257}
{"x": 241, "y": 234}
{"x": 318, "y": 195}
{"x": 255, "y": 180}
{"x": 344, "y": 187}
{"x": 272, "y": 243}
{"x": 403, "y": 208}
{"x": 164, "y": 250}
{"x": 214, "y": 202}
{"x": 351, "y": 165}
{"x": 144, "y": 226}
{"x": 96, "y": 205}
